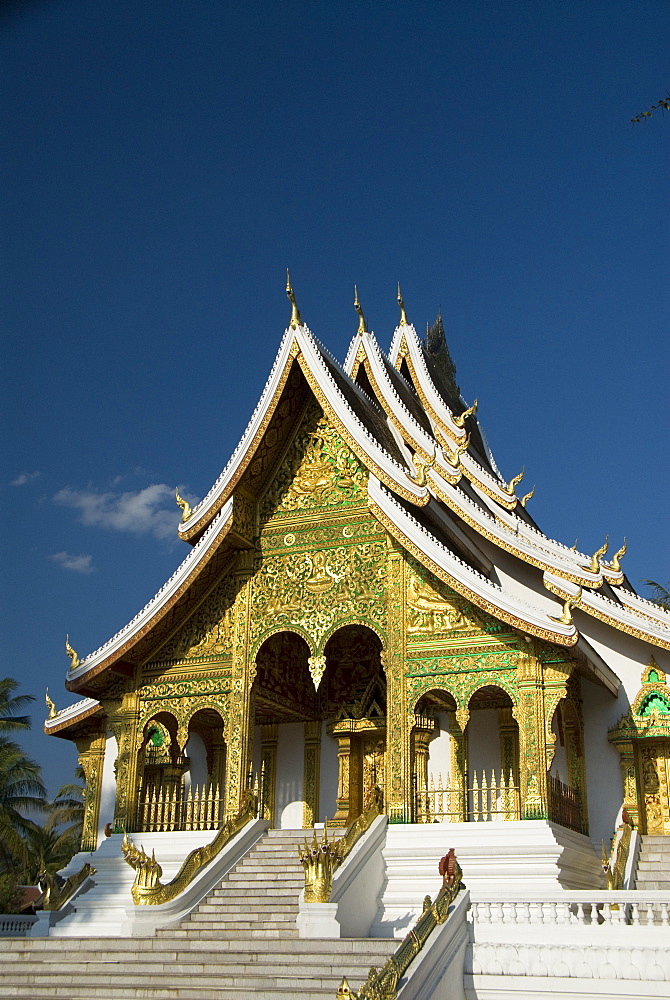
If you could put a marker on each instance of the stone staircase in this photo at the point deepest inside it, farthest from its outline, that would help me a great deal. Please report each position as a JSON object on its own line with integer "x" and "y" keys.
{"x": 241, "y": 941}
{"x": 653, "y": 866}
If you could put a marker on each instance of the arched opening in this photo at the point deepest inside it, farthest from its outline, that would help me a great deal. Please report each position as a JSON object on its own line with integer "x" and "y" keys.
{"x": 204, "y": 781}
{"x": 162, "y": 765}
{"x": 352, "y": 703}
{"x": 566, "y": 782}
{"x": 492, "y": 752}
{"x": 437, "y": 759}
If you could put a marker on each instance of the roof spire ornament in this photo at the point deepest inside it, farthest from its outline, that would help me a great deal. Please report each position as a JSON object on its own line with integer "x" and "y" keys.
{"x": 403, "y": 314}
{"x": 594, "y": 565}
{"x": 615, "y": 561}
{"x": 74, "y": 656}
{"x": 50, "y": 705}
{"x": 362, "y": 325}
{"x": 565, "y": 618}
{"x": 296, "y": 319}
{"x": 184, "y": 504}
{"x": 524, "y": 500}
{"x": 470, "y": 412}
{"x": 510, "y": 486}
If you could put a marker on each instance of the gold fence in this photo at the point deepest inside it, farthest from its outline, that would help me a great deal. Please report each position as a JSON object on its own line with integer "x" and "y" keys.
{"x": 495, "y": 797}
{"x": 165, "y": 809}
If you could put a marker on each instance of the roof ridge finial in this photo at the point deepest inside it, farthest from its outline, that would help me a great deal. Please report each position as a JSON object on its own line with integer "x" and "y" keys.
{"x": 403, "y": 314}
{"x": 296, "y": 319}
{"x": 362, "y": 325}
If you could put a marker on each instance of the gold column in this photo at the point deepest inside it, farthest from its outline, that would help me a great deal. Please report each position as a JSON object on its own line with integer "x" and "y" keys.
{"x": 269, "y": 741}
{"x": 398, "y": 791}
{"x": 344, "y": 804}
{"x": 91, "y": 758}
{"x": 459, "y": 760}
{"x": 243, "y": 673}
{"x": 312, "y": 770}
{"x": 123, "y": 723}
{"x": 627, "y": 763}
{"x": 530, "y": 716}
{"x": 421, "y": 736}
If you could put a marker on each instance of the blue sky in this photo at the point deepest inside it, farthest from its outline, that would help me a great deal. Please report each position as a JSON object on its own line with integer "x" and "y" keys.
{"x": 164, "y": 162}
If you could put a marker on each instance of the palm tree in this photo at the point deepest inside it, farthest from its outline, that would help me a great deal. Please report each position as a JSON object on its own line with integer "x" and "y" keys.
{"x": 21, "y": 790}
{"x": 661, "y": 594}
{"x": 67, "y": 810}
{"x": 10, "y": 704}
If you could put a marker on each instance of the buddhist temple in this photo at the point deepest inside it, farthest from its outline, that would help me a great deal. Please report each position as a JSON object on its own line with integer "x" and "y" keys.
{"x": 368, "y": 609}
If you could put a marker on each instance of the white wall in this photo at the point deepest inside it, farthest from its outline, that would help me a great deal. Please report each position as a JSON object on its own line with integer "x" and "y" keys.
{"x": 559, "y": 765}
{"x": 290, "y": 769}
{"x": 483, "y": 742}
{"x": 327, "y": 777}
{"x": 195, "y": 750}
{"x": 439, "y": 754}
{"x": 108, "y": 790}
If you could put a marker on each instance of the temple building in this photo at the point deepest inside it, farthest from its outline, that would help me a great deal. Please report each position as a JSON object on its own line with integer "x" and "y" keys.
{"x": 367, "y": 601}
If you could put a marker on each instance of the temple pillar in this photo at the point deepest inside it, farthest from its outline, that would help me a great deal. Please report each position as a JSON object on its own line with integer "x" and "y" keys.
{"x": 398, "y": 790}
{"x": 344, "y": 776}
{"x": 530, "y": 715}
{"x": 124, "y": 724}
{"x": 422, "y": 734}
{"x": 91, "y": 758}
{"x": 627, "y": 763}
{"x": 243, "y": 673}
{"x": 269, "y": 742}
{"x": 312, "y": 770}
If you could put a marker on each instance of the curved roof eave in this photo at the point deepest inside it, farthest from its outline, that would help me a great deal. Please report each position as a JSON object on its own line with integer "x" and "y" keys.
{"x": 165, "y": 598}
{"x": 70, "y": 716}
{"x": 461, "y": 577}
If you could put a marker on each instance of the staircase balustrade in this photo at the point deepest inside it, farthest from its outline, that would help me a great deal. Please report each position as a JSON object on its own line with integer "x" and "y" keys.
{"x": 167, "y": 809}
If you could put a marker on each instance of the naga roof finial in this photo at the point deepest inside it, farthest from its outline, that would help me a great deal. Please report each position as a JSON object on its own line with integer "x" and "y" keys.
{"x": 510, "y": 486}
{"x": 594, "y": 565}
{"x": 462, "y": 417}
{"x": 74, "y": 656}
{"x": 615, "y": 564}
{"x": 50, "y": 705}
{"x": 565, "y": 618}
{"x": 524, "y": 500}
{"x": 403, "y": 314}
{"x": 184, "y": 504}
{"x": 362, "y": 325}
{"x": 296, "y": 319}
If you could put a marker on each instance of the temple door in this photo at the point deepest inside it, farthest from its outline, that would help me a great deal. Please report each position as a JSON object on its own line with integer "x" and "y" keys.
{"x": 655, "y": 780}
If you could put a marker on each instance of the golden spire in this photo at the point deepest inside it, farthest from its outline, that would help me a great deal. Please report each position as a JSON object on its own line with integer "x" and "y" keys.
{"x": 184, "y": 504}
{"x": 615, "y": 564}
{"x": 74, "y": 656}
{"x": 362, "y": 325}
{"x": 460, "y": 420}
{"x": 510, "y": 486}
{"x": 594, "y": 565}
{"x": 296, "y": 319}
{"x": 50, "y": 705}
{"x": 565, "y": 617}
{"x": 524, "y": 500}
{"x": 403, "y": 315}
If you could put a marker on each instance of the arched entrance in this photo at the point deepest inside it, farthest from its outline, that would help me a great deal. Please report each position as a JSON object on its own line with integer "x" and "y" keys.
{"x": 566, "y": 780}
{"x": 492, "y": 739}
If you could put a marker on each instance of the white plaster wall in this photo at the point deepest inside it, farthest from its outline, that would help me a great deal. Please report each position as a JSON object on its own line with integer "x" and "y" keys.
{"x": 290, "y": 768}
{"x": 483, "y": 742}
{"x": 196, "y": 776}
{"x": 439, "y": 754}
{"x": 327, "y": 776}
{"x": 559, "y": 765}
{"x": 604, "y": 787}
{"x": 108, "y": 790}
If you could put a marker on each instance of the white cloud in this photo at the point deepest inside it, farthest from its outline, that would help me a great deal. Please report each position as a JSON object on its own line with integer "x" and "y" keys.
{"x": 78, "y": 564}
{"x": 25, "y": 477}
{"x": 151, "y": 511}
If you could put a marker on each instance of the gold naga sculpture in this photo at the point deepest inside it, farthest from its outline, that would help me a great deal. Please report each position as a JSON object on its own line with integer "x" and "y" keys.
{"x": 53, "y": 712}
{"x": 565, "y": 618}
{"x": 594, "y": 565}
{"x": 454, "y": 457}
{"x": 147, "y": 889}
{"x": 615, "y": 561}
{"x": 184, "y": 504}
{"x": 74, "y": 656}
{"x": 513, "y": 483}
{"x": 296, "y": 319}
{"x": 615, "y": 868}
{"x": 460, "y": 418}
{"x": 403, "y": 314}
{"x": 362, "y": 325}
{"x": 421, "y": 468}
{"x": 524, "y": 500}
{"x": 55, "y": 894}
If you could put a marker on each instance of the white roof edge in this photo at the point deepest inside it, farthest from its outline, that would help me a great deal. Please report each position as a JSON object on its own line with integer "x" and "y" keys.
{"x": 459, "y": 570}
{"x": 162, "y": 596}
{"x": 71, "y": 712}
